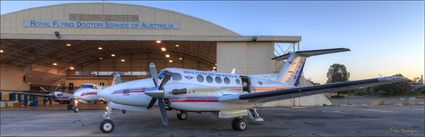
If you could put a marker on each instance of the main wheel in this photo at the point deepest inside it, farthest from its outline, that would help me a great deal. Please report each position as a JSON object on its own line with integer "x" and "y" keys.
{"x": 107, "y": 126}
{"x": 182, "y": 116}
{"x": 76, "y": 109}
{"x": 239, "y": 124}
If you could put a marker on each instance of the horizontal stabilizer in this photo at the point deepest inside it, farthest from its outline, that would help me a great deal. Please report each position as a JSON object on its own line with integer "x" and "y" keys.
{"x": 308, "y": 53}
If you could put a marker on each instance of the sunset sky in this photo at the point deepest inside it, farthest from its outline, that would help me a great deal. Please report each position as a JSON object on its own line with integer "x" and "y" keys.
{"x": 385, "y": 37}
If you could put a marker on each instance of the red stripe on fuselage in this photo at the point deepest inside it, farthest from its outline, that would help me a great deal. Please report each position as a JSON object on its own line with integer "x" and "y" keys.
{"x": 194, "y": 100}
{"x": 126, "y": 92}
{"x": 87, "y": 94}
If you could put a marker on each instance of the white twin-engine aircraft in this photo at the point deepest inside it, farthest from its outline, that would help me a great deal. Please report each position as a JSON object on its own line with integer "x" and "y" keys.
{"x": 85, "y": 94}
{"x": 226, "y": 95}
{"x": 88, "y": 93}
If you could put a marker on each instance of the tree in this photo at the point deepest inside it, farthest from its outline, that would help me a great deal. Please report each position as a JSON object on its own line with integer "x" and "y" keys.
{"x": 400, "y": 88}
{"x": 337, "y": 73}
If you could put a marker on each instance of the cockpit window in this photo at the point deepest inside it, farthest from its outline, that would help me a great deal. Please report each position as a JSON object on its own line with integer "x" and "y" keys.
{"x": 87, "y": 86}
{"x": 176, "y": 76}
{"x": 161, "y": 74}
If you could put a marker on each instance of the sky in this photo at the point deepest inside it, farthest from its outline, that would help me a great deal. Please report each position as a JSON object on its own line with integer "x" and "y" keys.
{"x": 385, "y": 38}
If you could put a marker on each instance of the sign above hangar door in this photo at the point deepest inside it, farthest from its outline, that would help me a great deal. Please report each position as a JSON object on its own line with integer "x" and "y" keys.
{"x": 93, "y": 21}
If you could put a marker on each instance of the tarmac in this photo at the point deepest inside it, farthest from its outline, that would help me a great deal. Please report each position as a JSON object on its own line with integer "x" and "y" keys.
{"x": 298, "y": 121}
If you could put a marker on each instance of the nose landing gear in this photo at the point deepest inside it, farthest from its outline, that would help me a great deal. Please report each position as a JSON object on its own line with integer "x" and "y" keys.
{"x": 107, "y": 126}
{"x": 76, "y": 109}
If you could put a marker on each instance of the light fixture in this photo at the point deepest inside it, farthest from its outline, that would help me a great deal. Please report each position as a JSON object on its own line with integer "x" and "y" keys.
{"x": 163, "y": 49}
{"x": 100, "y": 58}
{"x": 99, "y": 48}
{"x": 54, "y": 64}
{"x": 167, "y": 55}
{"x": 122, "y": 60}
{"x": 1, "y": 51}
{"x": 112, "y": 55}
{"x": 180, "y": 58}
{"x": 68, "y": 45}
{"x": 171, "y": 61}
{"x": 158, "y": 41}
{"x": 71, "y": 68}
{"x": 177, "y": 45}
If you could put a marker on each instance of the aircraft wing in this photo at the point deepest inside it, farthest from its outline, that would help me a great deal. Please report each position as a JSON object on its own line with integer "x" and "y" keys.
{"x": 268, "y": 96}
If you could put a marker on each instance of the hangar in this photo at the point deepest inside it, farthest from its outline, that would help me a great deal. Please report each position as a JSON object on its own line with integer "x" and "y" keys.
{"x": 71, "y": 44}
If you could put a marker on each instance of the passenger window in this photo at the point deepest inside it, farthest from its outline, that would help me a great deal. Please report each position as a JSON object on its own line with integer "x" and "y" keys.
{"x": 209, "y": 79}
{"x": 227, "y": 80}
{"x": 176, "y": 76}
{"x": 218, "y": 80}
{"x": 200, "y": 78}
{"x": 238, "y": 81}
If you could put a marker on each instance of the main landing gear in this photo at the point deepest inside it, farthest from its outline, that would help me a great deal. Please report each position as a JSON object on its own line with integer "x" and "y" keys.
{"x": 107, "y": 125}
{"x": 239, "y": 124}
{"x": 182, "y": 115}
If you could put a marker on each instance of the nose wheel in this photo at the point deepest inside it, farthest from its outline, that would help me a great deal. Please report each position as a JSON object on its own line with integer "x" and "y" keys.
{"x": 239, "y": 124}
{"x": 107, "y": 126}
{"x": 182, "y": 116}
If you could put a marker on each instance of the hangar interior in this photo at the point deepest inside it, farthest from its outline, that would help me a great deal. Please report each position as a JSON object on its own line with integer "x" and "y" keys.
{"x": 94, "y": 61}
{"x": 72, "y": 44}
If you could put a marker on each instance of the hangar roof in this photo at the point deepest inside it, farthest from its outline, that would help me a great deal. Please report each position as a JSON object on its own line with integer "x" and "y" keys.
{"x": 38, "y": 35}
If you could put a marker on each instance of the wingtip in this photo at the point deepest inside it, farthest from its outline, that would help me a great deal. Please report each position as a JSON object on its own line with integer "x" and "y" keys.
{"x": 393, "y": 79}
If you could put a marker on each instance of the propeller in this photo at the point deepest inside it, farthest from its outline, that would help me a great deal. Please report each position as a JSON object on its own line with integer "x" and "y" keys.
{"x": 57, "y": 87}
{"x": 157, "y": 93}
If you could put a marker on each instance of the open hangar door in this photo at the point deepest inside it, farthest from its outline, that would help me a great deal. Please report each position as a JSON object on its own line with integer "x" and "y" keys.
{"x": 74, "y": 62}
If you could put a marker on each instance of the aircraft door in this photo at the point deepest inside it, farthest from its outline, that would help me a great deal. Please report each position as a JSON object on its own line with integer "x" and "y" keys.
{"x": 246, "y": 84}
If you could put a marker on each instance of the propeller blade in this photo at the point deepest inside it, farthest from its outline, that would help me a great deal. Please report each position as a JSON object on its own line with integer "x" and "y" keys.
{"x": 154, "y": 74}
{"x": 57, "y": 87}
{"x": 163, "y": 112}
{"x": 164, "y": 81}
{"x": 153, "y": 100}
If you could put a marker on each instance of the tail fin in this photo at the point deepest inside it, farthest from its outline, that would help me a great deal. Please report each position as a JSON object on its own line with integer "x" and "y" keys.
{"x": 291, "y": 71}
{"x": 117, "y": 79}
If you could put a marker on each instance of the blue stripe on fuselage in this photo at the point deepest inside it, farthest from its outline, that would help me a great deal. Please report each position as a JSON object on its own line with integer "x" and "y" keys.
{"x": 297, "y": 81}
